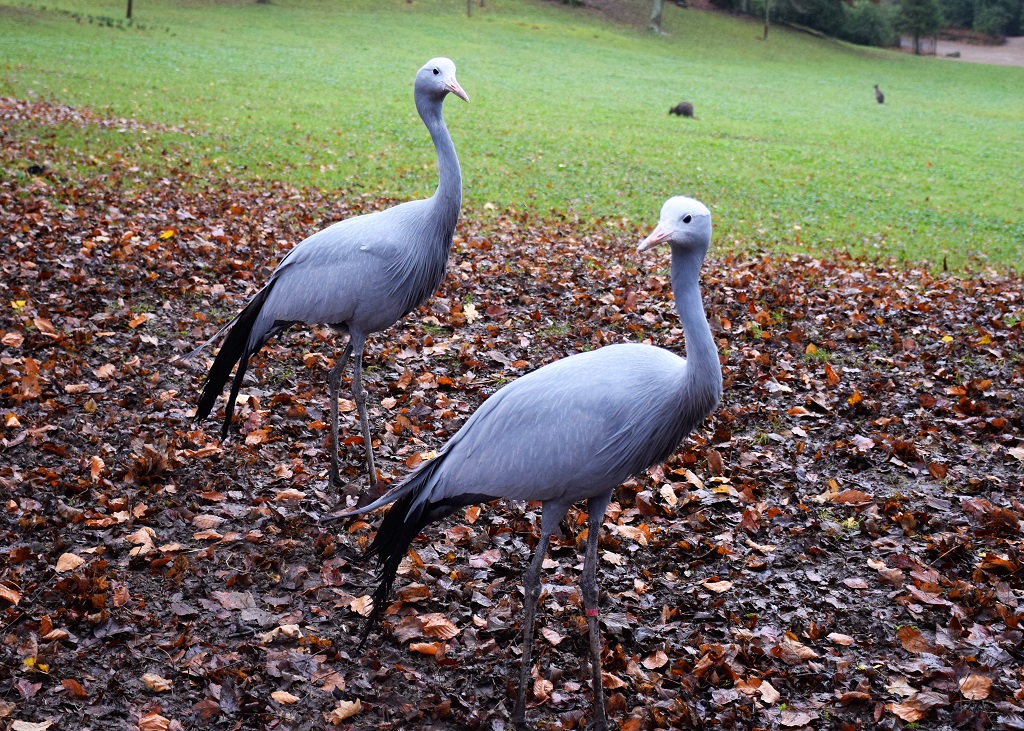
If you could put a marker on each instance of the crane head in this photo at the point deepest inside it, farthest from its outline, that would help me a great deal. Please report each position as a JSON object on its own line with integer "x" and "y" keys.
{"x": 437, "y": 77}
{"x": 684, "y": 222}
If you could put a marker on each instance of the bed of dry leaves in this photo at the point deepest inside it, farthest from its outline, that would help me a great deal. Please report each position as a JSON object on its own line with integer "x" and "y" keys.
{"x": 839, "y": 548}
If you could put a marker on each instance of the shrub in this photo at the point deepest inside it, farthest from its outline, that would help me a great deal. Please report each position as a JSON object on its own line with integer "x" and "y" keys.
{"x": 870, "y": 23}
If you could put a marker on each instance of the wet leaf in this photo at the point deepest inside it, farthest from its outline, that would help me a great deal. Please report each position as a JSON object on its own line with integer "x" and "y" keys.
{"x": 68, "y": 562}
{"x": 156, "y": 683}
{"x": 975, "y": 687}
{"x": 344, "y": 710}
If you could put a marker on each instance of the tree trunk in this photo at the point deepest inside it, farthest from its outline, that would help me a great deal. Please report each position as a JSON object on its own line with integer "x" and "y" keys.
{"x": 656, "y": 17}
{"x": 129, "y": 9}
{"x": 767, "y": 9}
{"x": 469, "y": 8}
{"x": 917, "y": 45}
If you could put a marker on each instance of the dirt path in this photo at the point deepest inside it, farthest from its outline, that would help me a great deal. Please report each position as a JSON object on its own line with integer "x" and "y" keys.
{"x": 1010, "y": 53}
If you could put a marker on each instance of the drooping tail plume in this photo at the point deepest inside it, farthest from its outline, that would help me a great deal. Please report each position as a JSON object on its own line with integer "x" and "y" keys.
{"x": 233, "y": 350}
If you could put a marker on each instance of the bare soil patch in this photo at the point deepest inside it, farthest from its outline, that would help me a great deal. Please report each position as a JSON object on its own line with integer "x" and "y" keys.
{"x": 1010, "y": 53}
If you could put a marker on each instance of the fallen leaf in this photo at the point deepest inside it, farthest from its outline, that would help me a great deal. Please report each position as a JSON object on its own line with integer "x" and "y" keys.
{"x": 11, "y": 595}
{"x": 156, "y": 683}
{"x": 153, "y": 721}
{"x": 362, "y": 605}
{"x": 69, "y": 562}
{"x": 918, "y": 705}
{"x": 840, "y": 639}
{"x": 437, "y": 625}
{"x": 913, "y": 641}
{"x": 655, "y": 660}
{"x": 342, "y": 711}
{"x": 975, "y": 687}
{"x": 852, "y": 497}
{"x": 284, "y": 697}
{"x": 30, "y": 725}
{"x": 795, "y": 718}
{"x": 105, "y": 372}
{"x": 551, "y": 636}
{"x": 768, "y": 693}
{"x": 611, "y": 682}
{"x": 12, "y": 339}
{"x": 485, "y": 559}
{"x": 426, "y": 648}
{"x": 73, "y": 687}
{"x": 612, "y": 558}
{"x": 542, "y": 689}
{"x": 95, "y": 468}
{"x": 719, "y": 587}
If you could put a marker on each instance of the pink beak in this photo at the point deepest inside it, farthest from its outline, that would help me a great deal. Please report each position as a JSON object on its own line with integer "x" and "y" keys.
{"x": 659, "y": 235}
{"x": 454, "y": 88}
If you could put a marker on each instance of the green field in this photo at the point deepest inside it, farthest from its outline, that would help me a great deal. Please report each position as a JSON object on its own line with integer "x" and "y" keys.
{"x": 568, "y": 115}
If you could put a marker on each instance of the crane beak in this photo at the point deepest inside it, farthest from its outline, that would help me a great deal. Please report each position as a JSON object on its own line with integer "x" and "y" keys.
{"x": 659, "y": 235}
{"x": 454, "y": 88}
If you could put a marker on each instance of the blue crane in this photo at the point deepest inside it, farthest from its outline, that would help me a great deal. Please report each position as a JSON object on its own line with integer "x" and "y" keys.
{"x": 358, "y": 276}
{"x": 570, "y": 431}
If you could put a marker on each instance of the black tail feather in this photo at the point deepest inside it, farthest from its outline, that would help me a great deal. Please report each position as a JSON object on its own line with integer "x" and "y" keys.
{"x": 394, "y": 536}
{"x": 233, "y": 350}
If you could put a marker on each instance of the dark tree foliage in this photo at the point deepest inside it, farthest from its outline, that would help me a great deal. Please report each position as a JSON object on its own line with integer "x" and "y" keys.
{"x": 869, "y": 22}
{"x": 995, "y": 18}
{"x": 920, "y": 19}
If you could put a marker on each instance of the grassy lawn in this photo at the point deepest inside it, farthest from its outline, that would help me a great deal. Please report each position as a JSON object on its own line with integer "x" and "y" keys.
{"x": 568, "y": 115}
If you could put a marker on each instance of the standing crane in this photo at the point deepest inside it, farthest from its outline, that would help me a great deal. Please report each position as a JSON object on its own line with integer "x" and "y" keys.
{"x": 358, "y": 276}
{"x": 570, "y": 431}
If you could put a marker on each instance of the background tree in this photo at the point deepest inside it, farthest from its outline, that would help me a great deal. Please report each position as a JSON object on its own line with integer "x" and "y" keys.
{"x": 656, "y": 17}
{"x": 920, "y": 19}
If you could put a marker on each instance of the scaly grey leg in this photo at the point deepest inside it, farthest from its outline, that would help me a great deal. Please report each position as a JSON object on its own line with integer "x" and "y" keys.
{"x": 359, "y": 396}
{"x": 334, "y": 388}
{"x": 550, "y": 519}
{"x": 588, "y": 584}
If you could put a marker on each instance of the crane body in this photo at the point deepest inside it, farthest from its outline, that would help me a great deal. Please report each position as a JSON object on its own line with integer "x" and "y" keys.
{"x": 358, "y": 276}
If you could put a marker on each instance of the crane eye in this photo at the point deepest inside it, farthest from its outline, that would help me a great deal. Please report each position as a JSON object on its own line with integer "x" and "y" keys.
{"x": 436, "y": 72}
{"x": 687, "y": 218}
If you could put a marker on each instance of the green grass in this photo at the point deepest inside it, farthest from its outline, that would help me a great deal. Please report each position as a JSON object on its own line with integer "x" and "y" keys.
{"x": 568, "y": 115}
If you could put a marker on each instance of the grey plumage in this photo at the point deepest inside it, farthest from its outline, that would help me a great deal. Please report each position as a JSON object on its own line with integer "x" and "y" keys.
{"x": 570, "y": 431}
{"x": 359, "y": 276}
{"x": 682, "y": 109}
{"x": 879, "y": 96}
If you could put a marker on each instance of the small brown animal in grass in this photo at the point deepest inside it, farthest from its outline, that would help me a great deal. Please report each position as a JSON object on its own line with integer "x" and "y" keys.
{"x": 682, "y": 109}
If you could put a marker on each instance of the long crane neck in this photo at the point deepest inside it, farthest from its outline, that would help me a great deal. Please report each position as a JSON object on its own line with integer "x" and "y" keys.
{"x": 703, "y": 374}
{"x": 447, "y": 199}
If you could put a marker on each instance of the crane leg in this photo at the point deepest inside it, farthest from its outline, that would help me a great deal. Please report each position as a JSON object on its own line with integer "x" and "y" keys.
{"x": 588, "y": 584}
{"x": 359, "y": 396}
{"x": 334, "y": 388}
{"x": 531, "y": 585}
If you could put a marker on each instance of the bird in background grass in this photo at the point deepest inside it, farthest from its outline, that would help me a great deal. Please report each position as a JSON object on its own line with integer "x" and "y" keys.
{"x": 570, "y": 431}
{"x": 359, "y": 276}
{"x": 879, "y": 96}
